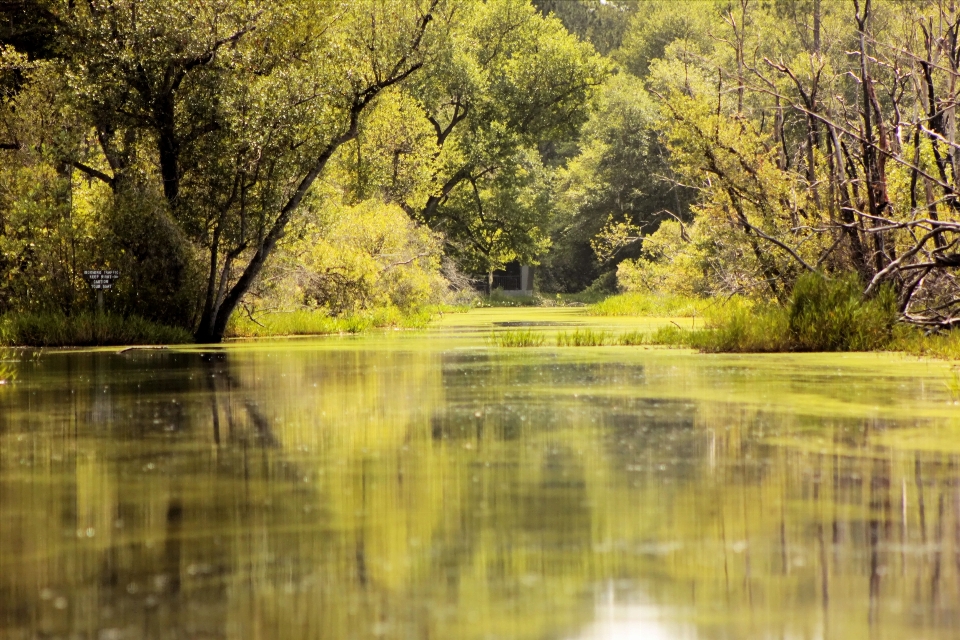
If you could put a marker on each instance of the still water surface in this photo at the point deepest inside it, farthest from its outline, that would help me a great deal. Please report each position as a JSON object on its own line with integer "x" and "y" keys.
{"x": 429, "y": 485}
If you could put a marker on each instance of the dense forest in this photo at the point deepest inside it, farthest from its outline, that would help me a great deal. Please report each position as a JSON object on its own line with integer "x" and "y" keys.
{"x": 229, "y": 156}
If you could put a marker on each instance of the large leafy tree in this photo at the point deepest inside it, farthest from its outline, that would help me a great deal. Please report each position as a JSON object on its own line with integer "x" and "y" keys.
{"x": 507, "y": 81}
{"x": 227, "y": 112}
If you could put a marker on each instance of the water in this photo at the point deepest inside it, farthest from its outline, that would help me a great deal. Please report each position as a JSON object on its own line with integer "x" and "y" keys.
{"x": 428, "y": 485}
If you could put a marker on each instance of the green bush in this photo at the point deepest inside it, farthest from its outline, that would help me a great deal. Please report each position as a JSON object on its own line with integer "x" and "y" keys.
{"x": 833, "y": 315}
{"x": 85, "y": 330}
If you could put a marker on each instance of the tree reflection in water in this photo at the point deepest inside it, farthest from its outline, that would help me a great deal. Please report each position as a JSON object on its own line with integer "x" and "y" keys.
{"x": 415, "y": 493}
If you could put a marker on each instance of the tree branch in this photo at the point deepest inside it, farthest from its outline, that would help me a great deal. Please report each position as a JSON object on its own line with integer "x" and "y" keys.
{"x": 93, "y": 173}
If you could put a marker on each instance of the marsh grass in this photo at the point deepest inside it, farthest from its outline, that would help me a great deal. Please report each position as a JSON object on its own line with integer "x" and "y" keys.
{"x": 952, "y": 383}
{"x": 759, "y": 329}
{"x": 915, "y": 341}
{"x": 312, "y": 323}
{"x": 584, "y": 338}
{"x": 822, "y": 315}
{"x": 633, "y": 339}
{"x": 497, "y": 298}
{"x": 518, "y": 338}
{"x": 652, "y": 304}
{"x": 85, "y": 330}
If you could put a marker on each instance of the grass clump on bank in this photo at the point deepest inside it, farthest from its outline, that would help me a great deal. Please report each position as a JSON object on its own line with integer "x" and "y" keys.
{"x": 822, "y": 315}
{"x": 518, "y": 338}
{"x": 913, "y": 340}
{"x": 652, "y": 304}
{"x": 85, "y": 330}
{"x": 499, "y": 298}
{"x": 313, "y": 323}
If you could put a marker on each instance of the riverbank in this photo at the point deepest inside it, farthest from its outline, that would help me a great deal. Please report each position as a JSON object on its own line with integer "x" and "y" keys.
{"x": 85, "y": 330}
{"x": 103, "y": 330}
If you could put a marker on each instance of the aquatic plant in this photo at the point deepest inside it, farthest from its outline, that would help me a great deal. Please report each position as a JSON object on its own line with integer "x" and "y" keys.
{"x": 8, "y": 371}
{"x": 633, "y": 338}
{"x": 952, "y": 383}
{"x": 498, "y": 298}
{"x": 652, "y": 304}
{"x": 583, "y": 338}
{"x": 518, "y": 338}
{"x": 913, "y": 340}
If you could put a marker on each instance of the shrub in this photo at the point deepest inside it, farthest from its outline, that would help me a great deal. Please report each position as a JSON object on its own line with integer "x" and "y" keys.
{"x": 352, "y": 260}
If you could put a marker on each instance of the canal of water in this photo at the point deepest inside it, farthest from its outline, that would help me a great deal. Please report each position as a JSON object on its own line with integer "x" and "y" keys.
{"x": 432, "y": 485}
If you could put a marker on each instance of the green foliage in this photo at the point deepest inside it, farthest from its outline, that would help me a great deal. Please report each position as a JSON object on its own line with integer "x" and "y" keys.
{"x": 518, "y": 338}
{"x": 584, "y": 338}
{"x": 598, "y": 22}
{"x": 742, "y": 329}
{"x": 617, "y": 186}
{"x": 508, "y": 83}
{"x": 208, "y": 123}
{"x": 944, "y": 345}
{"x": 161, "y": 274}
{"x": 658, "y": 24}
{"x": 85, "y": 330}
{"x": 352, "y": 259}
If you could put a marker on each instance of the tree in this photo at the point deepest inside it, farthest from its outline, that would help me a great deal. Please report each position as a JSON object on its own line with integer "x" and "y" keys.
{"x": 622, "y": 175}
{"x": 229, "y": 111}
{"x": 507, "y": 81}
{"x": 808, "y": 158}
{"x": 600, "y": 23}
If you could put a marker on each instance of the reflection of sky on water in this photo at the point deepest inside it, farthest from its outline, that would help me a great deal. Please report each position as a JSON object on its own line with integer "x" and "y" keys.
{"x": 634, "y": 618}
